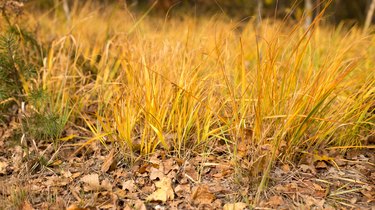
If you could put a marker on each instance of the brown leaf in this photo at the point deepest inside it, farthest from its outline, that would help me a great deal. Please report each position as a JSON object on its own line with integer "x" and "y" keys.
{"x": 275, "y": 201}
{"x": 235, "y": 206}
{"x": 91, "y": 181}
{"x": 182, "y": 190}
{"x": 164, "y": 191}
{"x": 222, "y": 171}
{"x": 307, "y": 169}
{"x": 138, "y": 205}
{"x": 281, "y": 188}
{"x": 321, "y": 165}
{"x": 318, "y": 187}
{"x": 106, "y": 184}
{"x": 56, "y": 181}
{"x": 311, "y": 202}
{"x": 129, "y": 186}
{"x": 217, "y": 204}
{"x": 156, "y": 174}
{"x": 76, "y": 174}
{"x": 108, "y": 161}
{"x": 353, "y": 200}
{"x": 242, "y": 149}
{"x": 3, "y": 168}
{"x": 27, "y": 206}
{"x": 17, "y": 158}
{"x": 367, "y": 194}
{"x": 191, "y": 173}
{"x": 75, "y": 207}
{"x": 143, "y": 169}
{"x": 169, "y": 165}
{"x": 287, "y": 188}
{"x": 66, "y": 174}
{"x": 148, "y": 189}
{"x": 285, "y": 168}
{"x": 120, "y": 193}
{"x": 202, "y": 195}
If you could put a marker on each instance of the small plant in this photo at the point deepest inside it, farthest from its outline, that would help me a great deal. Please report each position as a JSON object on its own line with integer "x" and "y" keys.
{"x": 18, "y": 79}
{"x": 42, "y": 122}
{"x": 14, "y": 73}
{"x": 45, "y": 126}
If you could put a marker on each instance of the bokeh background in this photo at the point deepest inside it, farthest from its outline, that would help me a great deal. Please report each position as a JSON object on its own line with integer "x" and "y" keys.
{"x": 352, "y": 12}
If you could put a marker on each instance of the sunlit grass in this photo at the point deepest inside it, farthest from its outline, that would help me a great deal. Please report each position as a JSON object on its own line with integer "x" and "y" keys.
{"x": 184, "y": 84}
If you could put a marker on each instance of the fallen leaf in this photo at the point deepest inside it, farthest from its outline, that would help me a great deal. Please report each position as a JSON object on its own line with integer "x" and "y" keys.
{"x": 169, "y": 165}
{"x": 281, "y": 188}
{"x": 108, "y": 161}
{"x": 217, "y": 204}
{"x": 155, "y": 159}
{"x": 128, "y": 207}
{"x": 311, "y": 202}
{"x": 222, "y": 170}
{"x": 242, "y": 149}
{"x": 321, "y": 165}
{"x": 202, "y": 195}
{"x": 56, "y": 181}
{"x": 27, "y": 206}
{"x": 367, "y": 194}
{"x": 17, "y": 158}
{"x": 3, "y": 168}
{"x": 75, "y": 207}
{"x": 92, "y": 182}
{"x": 144, "y": 168}
{"x": 191, "y": 173}
{"x": 307, "y": 168}
{"x": 129, "y": 186}
{"x": 106, "y": 184}
{"x": 182, "y": 190}
{"x": 120, "y": 193}
{"x": 275, "y": 201}
{"x": 235, "y": 206}
{"x": 164, "y": 191}
{"x": 148, "y": 189}
{"x": 66, "y": 174}
{"x": 287, "y": 188}
{"x": 138, "y": 205}
{"x": 156, "y": 174}
{"x": 76, "y": 174}
{"x": 285, "y": 168}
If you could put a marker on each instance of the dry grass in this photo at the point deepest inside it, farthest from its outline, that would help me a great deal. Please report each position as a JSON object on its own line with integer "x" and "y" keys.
{"x": 185, "y": 84}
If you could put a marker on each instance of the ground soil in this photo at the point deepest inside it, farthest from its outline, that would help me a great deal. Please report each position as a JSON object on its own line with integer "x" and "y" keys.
{"x": 43, "y": 175}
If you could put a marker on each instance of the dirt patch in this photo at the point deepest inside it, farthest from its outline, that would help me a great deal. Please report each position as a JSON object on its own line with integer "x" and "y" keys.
{"x": 40, "y": 176}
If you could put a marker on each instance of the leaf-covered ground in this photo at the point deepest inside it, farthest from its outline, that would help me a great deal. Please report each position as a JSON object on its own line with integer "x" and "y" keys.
{"x": 39, "y": 176}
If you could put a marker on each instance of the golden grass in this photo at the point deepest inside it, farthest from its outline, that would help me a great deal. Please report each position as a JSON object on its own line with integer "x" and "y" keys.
{"x": 183, "y": 83}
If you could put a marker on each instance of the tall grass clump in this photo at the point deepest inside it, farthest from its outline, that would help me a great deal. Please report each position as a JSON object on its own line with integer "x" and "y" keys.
{"x": 190, "y": 84}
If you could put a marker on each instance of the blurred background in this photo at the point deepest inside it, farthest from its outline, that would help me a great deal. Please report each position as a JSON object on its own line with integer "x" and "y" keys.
{"x": 352, "y": 12}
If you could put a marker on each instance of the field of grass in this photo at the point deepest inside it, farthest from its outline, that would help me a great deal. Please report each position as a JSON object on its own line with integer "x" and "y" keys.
{"x": 188, "y": 85}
